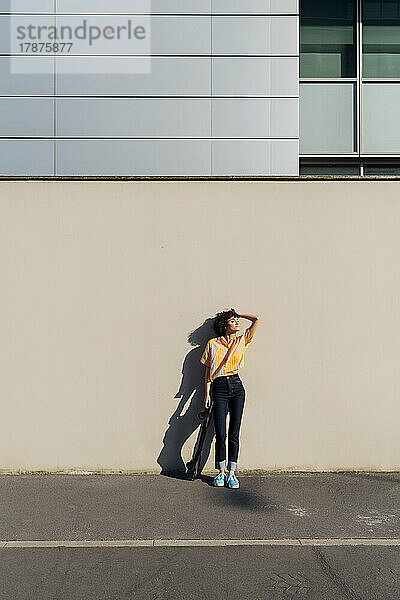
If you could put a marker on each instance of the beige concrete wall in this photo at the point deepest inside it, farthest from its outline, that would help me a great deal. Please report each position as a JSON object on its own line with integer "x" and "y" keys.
{"x": 107, "y": 289}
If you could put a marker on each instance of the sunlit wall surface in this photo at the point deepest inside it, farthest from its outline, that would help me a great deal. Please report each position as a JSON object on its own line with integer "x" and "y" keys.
{"x": 214, "y": 93}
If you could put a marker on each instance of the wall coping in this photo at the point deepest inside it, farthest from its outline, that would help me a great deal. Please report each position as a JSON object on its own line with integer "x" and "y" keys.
{"x": 300, "y": 178}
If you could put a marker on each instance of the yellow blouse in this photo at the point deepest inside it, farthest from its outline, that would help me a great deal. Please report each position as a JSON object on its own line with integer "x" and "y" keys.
{"x": 217, "y": 349}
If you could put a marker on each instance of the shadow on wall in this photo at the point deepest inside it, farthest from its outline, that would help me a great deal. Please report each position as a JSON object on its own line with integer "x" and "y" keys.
{"x": 192, "y": 389}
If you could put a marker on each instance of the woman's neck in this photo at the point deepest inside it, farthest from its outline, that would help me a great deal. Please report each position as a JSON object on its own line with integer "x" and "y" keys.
{"x": 229, "y": 336}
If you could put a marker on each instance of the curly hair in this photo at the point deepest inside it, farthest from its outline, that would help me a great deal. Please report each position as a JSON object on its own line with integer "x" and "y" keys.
{"x": 221, "y": 321}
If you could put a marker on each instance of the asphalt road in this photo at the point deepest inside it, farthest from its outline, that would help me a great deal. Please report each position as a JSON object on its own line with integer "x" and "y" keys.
{"x": 335, "y": 537}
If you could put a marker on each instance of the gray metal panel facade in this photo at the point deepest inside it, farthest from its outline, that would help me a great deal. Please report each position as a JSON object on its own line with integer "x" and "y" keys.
{"x": 220, "y": 96}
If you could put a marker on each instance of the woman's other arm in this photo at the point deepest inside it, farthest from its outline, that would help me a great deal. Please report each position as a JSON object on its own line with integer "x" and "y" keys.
{"x": 255, "y": 319}
{"x": 207, "y": 399}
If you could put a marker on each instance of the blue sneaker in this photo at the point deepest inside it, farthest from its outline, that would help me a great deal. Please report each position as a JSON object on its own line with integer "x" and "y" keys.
{"x": 219, "y": 480}
{"x": 232, "y": 481}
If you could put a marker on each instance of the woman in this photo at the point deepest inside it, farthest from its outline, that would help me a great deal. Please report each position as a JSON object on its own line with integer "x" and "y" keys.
{"x": 223, "y": 357}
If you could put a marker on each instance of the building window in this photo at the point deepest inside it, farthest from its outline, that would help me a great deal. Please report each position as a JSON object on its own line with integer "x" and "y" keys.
{"x": 327, "y": 122}
{"x": 380, "y": 38}
{"x": 328, "y": 38}
{"x": 350, "y": 80}
{"x": 382, "y": 169}
{"x": 350, "y": 167}
{"x": 329, "y": 169}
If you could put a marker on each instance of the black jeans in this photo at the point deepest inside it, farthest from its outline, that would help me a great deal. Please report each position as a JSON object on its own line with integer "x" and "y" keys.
{"x": 228, "y": 394}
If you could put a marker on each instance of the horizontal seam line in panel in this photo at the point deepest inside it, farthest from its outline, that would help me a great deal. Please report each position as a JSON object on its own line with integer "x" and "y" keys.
{"x": 148, "y": 14}
{"x": 215, "y": 55}
{"x": 55, "y": 55}
{"x": 159, "y": 96}
{"x": 147, "y": 137}
{"x": 262, "y": 177}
